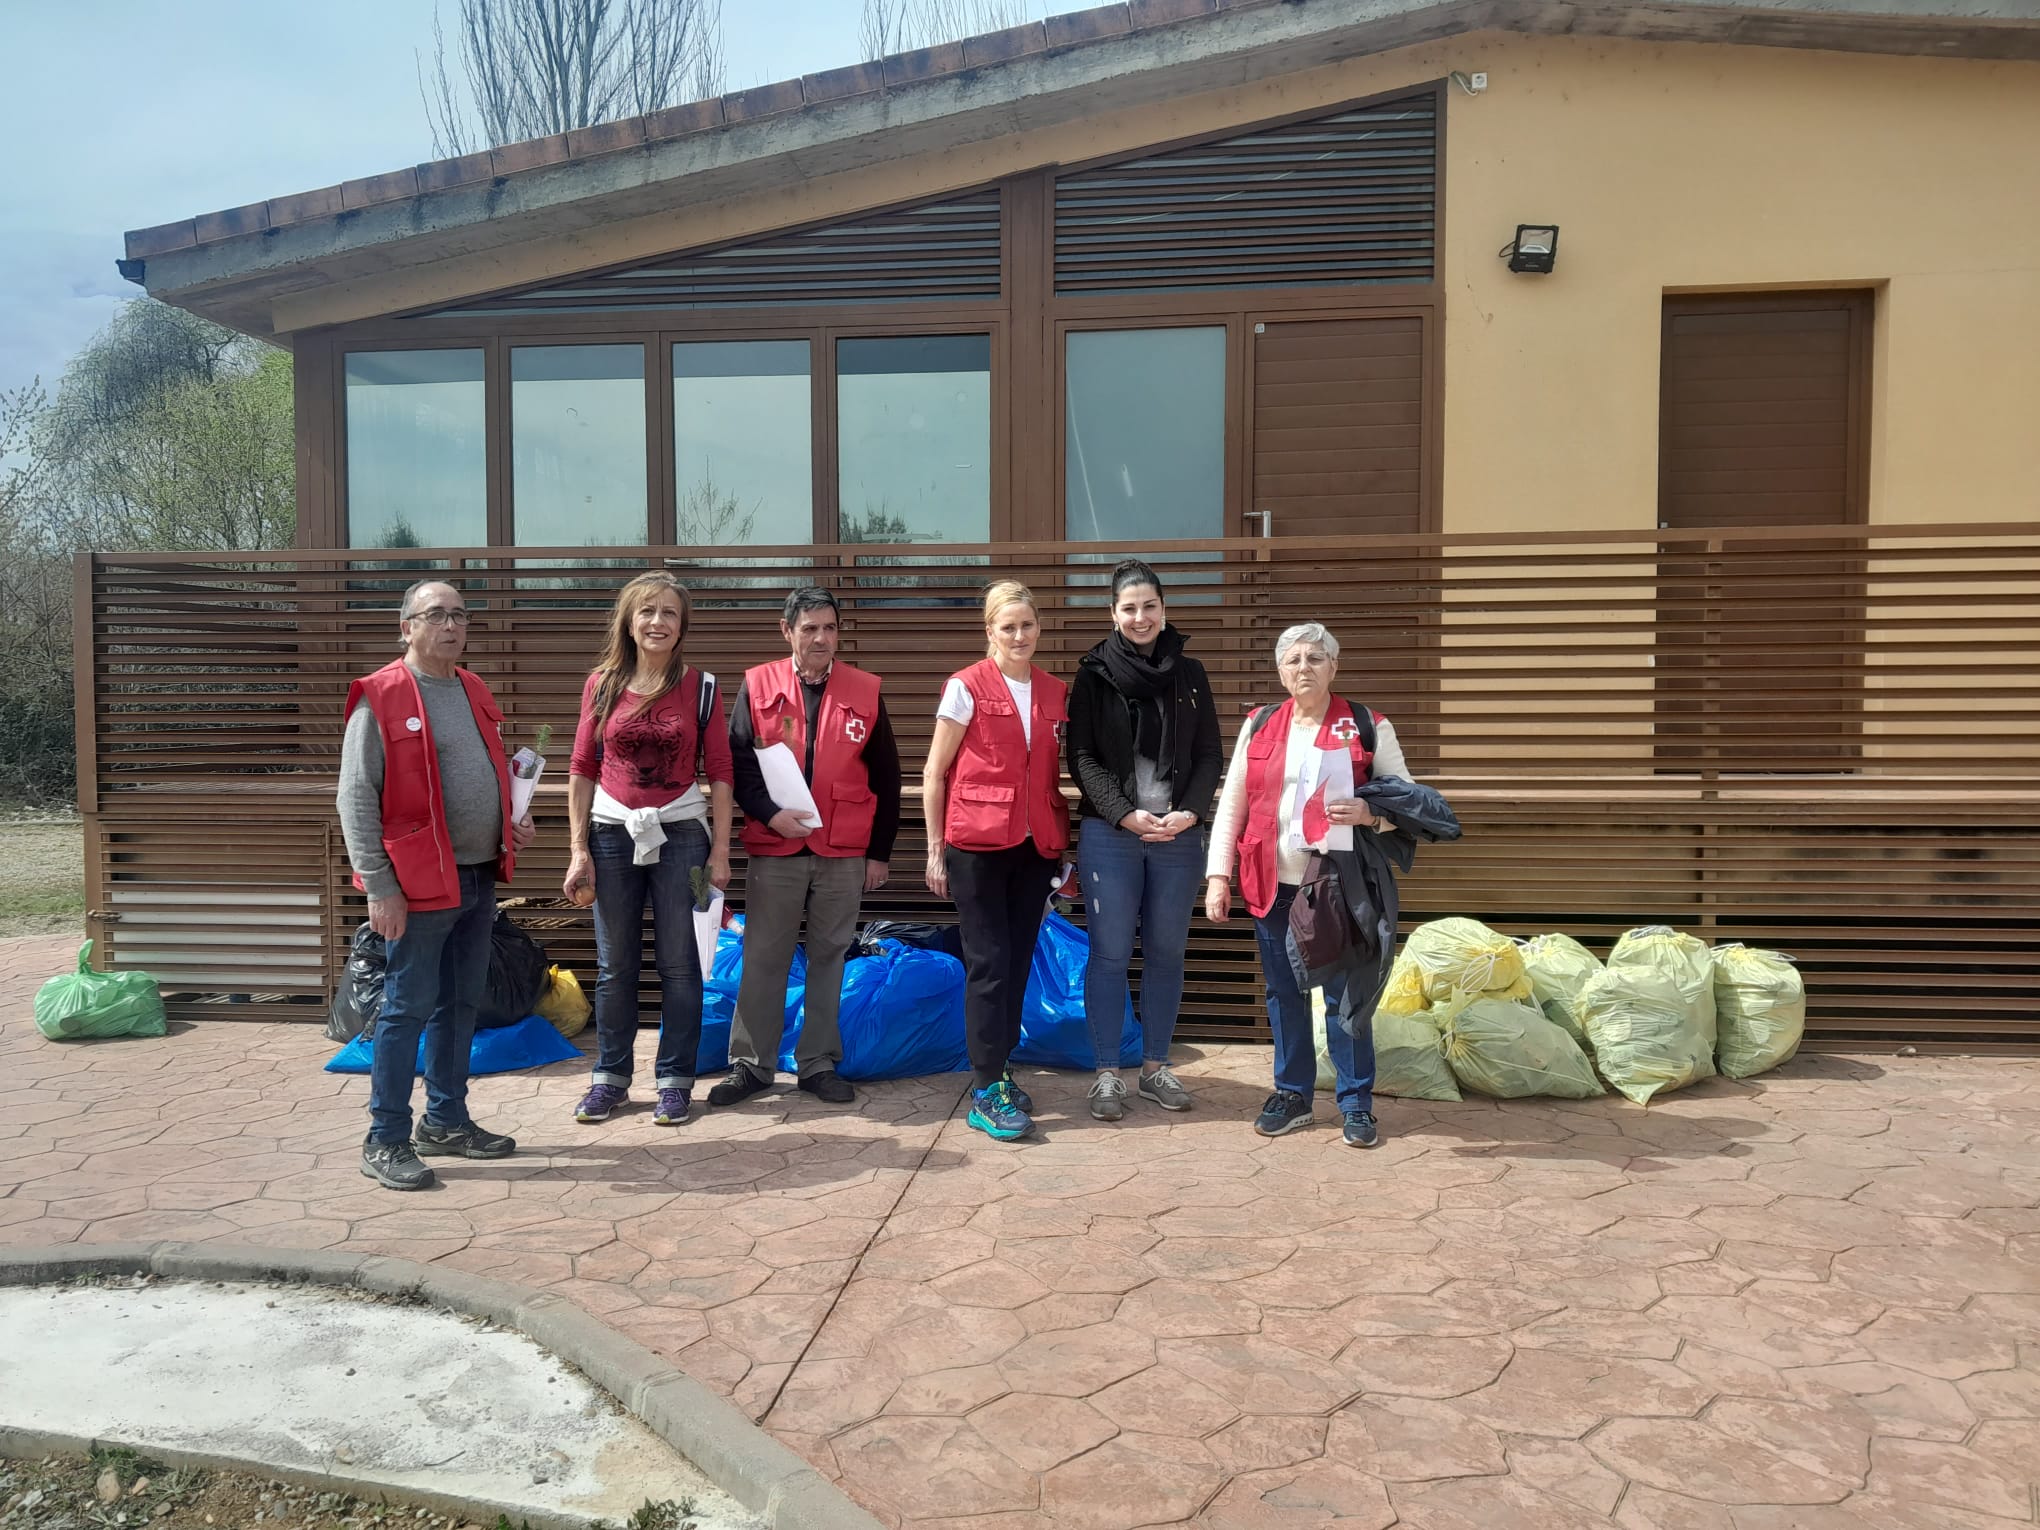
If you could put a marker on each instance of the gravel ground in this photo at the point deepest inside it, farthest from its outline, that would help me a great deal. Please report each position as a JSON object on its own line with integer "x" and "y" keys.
{"x": 42, "y": 875}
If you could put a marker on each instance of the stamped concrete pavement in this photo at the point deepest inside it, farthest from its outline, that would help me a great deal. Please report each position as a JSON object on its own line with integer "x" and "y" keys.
{"x": 1806, "y": 1302}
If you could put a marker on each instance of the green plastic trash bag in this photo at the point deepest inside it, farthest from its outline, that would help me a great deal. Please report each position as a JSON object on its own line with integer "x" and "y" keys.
{"x": 1507, "y": 1049}
{"x": 1452, "y": 956}
{"x": 88, "y": 1003}
{"x": 1760, "y": 1008}
{"x": 1685, "y": 962}
{"x": 1409, "y": 1056}
{"x": 1558, "y": 967}
{"x": 1645, "y": 1040}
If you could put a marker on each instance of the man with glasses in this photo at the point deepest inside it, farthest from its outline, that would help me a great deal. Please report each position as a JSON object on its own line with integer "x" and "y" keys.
{"x": 424, "y": 801}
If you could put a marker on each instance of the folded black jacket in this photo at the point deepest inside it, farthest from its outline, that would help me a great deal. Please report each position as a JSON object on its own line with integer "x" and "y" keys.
{"x": 1101, "y": 742}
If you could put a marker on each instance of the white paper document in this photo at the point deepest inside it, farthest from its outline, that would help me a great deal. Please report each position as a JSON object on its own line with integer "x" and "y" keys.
{"x": 522, "y": 787}
{"x": 707, "y": 925}
{"x": 1326, "y": 779}
{"x": 785, "y": 785}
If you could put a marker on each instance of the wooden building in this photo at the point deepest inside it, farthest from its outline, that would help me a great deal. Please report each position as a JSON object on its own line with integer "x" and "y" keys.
{"x": 1691, "y": 540}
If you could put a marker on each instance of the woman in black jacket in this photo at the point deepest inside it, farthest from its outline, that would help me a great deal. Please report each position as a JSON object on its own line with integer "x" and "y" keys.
{"x": 1144, "y": 749}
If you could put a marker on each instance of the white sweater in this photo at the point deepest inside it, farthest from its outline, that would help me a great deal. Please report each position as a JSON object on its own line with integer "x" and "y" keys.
{"x": 1231, "y": 811}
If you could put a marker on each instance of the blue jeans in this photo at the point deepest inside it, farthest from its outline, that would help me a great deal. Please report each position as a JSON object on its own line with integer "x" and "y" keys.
{"x": 436, "y": 976}
{"x": 621, "y": 890}
{"x": 1289, "y": 1018}
{"x": 1131, "y": 884}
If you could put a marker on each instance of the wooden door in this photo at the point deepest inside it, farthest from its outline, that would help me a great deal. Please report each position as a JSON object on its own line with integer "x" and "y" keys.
{"x": 1763, "y": 421}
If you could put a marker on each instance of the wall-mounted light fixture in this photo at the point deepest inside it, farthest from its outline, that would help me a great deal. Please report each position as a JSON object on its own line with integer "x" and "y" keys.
{"x": 1534, "y": 249}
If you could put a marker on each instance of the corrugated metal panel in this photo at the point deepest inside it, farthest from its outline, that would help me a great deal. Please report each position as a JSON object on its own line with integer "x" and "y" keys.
{"x": 1349, "y": 198}
{"x": 945, "y": 251}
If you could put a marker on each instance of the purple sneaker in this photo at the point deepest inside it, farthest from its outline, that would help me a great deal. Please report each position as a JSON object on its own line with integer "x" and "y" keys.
{"x": 599, "y": 1101}
{"x": 673, "y": 1106}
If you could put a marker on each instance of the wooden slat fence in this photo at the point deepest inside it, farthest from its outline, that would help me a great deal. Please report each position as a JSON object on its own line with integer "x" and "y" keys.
{"x": 1600, "y": 787}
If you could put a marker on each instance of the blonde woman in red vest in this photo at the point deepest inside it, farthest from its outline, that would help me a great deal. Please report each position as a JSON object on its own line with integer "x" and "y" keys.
{"x": 830, "y": 715}
{"x": 424, "y": 807}
{"x": 997, "y": 829}
{"x": 651, "y": 728}
{"x": 1279, "y": 749}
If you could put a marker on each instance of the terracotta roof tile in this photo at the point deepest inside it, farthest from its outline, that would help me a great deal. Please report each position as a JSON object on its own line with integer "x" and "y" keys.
{"x": 836, "y": 84}
{"x": 606, "y": 137}
{"x": 144, "y": 242}
{"x": 763, "y": 101}
{"x": 999, "y": 47}
{"x": 679, "y": 121}
{"x": 304, "y": 206}
{"x": 444, "y": 174}
{"x": 532, "y": 154}
{"x": 392, "y": 187}
{"x": 252, "y": 219}
{"x": 923, "y": 63}
{"x": 1156, "y": 13}
{"x": 1087, "y": 26}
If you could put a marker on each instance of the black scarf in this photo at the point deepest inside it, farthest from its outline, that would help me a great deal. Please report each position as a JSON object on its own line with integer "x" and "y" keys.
{"x": 1144, "y": 679}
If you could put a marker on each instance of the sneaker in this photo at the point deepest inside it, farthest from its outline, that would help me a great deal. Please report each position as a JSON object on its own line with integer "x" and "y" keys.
{"x": 1162, "y": 1087}
{"x": 998, "y": 1115}
{"x": 469, "y": 1141}
{"x": 1108, "y": 1097}
{"x": 673, "y": 1107}
{"x": 829, "y": 1086}
{"x": 1285, "y": 1111}
{"x": 739, "y": 1086}
{"x": 1021, "y": 1097}
{"x": 394, "y": 1166}
{"x": 600, "y": 1100}
{"x": 1361, "y": 1130}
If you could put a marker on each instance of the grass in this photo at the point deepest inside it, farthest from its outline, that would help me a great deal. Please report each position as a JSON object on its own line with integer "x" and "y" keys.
{"x": 42, "y": 879}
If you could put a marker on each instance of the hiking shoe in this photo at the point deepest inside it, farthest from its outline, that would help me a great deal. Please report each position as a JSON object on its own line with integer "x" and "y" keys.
{"x": 600, "y": 1101}
{"x": 738, "y": 1087}
{"x": 1361, "y": 1130}
{"x": 673, "y": 1107}
{"x": 395, "y": 1166}
{"x": 468, "y": 1141}
{"x": 998, "y": 1115}
{"x": 1162, "y": 1087}
{"x": 828, "y": 1085}
{"x": 1285, "y": 1111}
{"x": 1021, "y": 1097}
{"x": 1108, "y": 1097}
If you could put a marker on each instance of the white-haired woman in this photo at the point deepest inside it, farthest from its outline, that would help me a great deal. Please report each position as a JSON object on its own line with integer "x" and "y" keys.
{"x": 1258, "y": 818}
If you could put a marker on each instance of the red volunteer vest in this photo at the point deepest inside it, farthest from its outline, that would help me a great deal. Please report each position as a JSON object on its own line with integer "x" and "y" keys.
{"x": 842, "y": 782}
{"x": 1002, "y": 790}
{"x": 1267, "y": 757}
{"x": 415, "y": 835}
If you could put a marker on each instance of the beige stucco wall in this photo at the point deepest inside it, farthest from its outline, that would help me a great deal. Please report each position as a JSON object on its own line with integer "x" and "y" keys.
{"x": 1698, "y": 168}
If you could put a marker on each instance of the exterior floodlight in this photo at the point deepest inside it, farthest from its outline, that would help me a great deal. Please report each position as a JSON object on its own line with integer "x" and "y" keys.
{"x": 1534, "y": 249}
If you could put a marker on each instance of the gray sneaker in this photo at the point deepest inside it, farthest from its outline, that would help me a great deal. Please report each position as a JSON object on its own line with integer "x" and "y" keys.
{"x": 1161, "y": 1087}
{"x": 394, "y": 1166}
{"x": 1108, "y": 1097}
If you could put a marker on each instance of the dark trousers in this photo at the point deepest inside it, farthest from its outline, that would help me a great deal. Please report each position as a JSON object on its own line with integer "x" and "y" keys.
{"x": 1289, "y": 1017}
{"x": 435, "y": 980}
{"x": 1001, "y": 896}
{"x": 622, "y": 888}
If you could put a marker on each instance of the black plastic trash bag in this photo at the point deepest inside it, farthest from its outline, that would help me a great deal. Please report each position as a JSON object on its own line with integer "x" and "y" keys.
{"x": 358, "y": 999}
{"x": 946, "y": 938}
{"x": 517, "y": 975}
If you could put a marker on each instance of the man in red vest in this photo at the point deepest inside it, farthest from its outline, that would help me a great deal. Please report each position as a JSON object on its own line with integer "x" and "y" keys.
{"x": 424, "y": 798}
{"x": 832, "y": 722}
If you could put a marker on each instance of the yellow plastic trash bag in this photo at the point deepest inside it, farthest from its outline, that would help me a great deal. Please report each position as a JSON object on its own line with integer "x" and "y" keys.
{"x": 563, "y": 1003}
{"x": 1760, "y": 1008}
{"x": 1645, "y": 1041}
{"x": 1558, "y": 967}
{"x": 1453, "y": 956}
{"x": 1409, "y": 1056}
{"x": 1685, "y": 962}
{"x": 1507, "y": 1049}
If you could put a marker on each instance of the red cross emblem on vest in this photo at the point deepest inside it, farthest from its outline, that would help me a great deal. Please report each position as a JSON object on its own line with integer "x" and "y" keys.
{"x": 853, "y": 729}
{"x": 1345, "y": 730}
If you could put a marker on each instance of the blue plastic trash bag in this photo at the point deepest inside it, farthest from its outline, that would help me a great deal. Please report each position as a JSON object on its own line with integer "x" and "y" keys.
{"x": 902, "y": 1014}
{"x": 1053, "y": 1030}
{"x": 531, "y": 1043}
{"x": 719, "y": 1000}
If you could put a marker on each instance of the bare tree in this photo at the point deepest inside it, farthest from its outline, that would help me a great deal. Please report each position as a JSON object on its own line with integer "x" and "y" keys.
{"x": 898, "y": 26}
{"x": 518, "y": 69}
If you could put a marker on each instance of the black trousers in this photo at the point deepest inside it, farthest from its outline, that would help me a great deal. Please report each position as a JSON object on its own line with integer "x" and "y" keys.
{"x": 1000, "y": 896}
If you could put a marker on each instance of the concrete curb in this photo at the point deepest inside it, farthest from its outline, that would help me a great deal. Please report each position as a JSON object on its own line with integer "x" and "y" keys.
{"x": 734, "y": 1453}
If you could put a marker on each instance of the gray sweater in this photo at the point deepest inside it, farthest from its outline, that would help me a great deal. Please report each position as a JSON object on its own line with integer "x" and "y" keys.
{"x": 467, "y": 777}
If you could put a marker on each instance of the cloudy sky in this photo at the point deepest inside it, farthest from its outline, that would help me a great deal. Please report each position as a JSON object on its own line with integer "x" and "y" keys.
{"x": 119, "y": 114}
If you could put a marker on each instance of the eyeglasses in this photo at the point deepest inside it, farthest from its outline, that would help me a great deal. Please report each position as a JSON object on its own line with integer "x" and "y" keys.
{"x": 439, "y": 616}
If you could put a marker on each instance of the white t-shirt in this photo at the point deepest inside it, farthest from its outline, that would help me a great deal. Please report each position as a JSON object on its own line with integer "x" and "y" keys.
{"x": 958, "y": 707}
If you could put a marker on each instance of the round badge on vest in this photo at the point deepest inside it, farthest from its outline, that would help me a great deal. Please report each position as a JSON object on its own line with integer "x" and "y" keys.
{"x": 415, "y": 724}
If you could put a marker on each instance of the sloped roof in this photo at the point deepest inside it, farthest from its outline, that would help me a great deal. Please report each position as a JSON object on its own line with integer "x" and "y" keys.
{"x": 231, "y": 265}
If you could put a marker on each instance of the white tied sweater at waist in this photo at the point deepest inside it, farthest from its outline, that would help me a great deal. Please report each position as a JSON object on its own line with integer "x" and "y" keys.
{"x": 646, "y": 825}
{"x": 1231, "y": 812}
